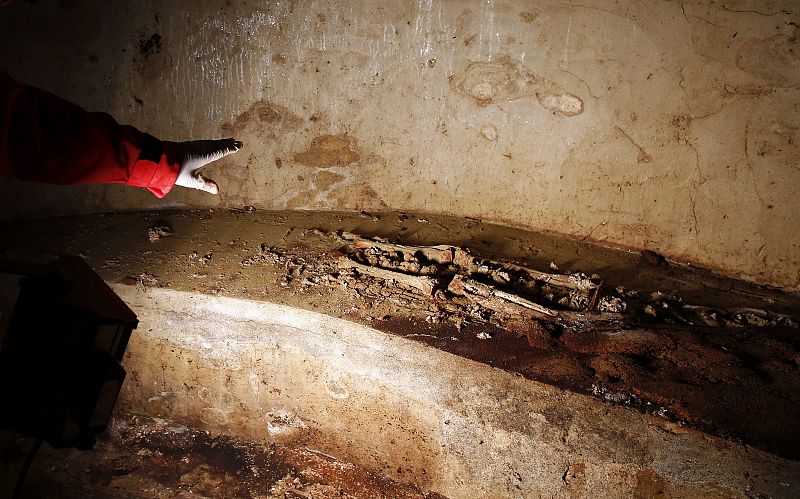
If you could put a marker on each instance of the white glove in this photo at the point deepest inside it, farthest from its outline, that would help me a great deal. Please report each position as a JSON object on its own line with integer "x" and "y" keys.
{"x": 196, "y": 154}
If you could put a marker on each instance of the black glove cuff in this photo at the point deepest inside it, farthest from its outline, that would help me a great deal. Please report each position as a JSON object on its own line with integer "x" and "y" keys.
{"x": 152, "y": 149}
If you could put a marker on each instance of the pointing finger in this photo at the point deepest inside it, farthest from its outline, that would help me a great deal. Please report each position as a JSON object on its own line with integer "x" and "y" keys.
{"x": 207, "y": 185}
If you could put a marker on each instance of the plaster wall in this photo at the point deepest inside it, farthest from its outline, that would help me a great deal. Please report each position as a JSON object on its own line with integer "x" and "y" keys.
{"x": 664, "y": 125}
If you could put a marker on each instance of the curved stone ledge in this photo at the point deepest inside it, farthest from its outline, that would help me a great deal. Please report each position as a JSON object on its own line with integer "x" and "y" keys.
{"x": 451, "y": 425}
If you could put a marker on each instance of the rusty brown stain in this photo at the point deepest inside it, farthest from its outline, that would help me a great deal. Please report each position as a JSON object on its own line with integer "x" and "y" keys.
{"x": 575, "y": 477}
{"x": 649, "y": 484}
{"x": 142, "y": 453}
{"x": 268, "y": 114}
{"x": 528, "y": 16}
{"x": 357, "y": 197}
{"x": 328, "y": 150}
{"x": 324, "y": 180}
{"x": 302, "y": 199}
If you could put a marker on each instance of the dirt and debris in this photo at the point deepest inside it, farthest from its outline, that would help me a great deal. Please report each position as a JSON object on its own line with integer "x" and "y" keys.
{"x": 159, "y": 230}
{"x": 201, "y": 259}
{"x": 143, "y": 280}
{"x": 680, "y": 343}
{"x": 139, "y": 456}
{"x": 612, "y": 304}
{"x": 653, "y": 258}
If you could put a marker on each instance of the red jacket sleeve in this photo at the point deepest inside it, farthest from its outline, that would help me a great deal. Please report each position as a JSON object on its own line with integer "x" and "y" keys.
{"x": 44, "y": 138}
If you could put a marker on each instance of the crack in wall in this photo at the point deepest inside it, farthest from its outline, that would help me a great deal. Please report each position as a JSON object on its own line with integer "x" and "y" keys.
{"x": 643, "y": 156}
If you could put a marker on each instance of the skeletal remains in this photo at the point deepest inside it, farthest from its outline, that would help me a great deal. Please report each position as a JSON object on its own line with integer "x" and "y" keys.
{"x": 509, "y": 294}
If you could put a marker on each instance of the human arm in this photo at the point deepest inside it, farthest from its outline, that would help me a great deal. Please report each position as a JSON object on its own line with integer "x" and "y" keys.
{"x": 44, "y": 138}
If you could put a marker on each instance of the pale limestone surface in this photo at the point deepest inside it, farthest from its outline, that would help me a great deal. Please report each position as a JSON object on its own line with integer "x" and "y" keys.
{"x": 406, "y": 410}
{"x": 644, "y": 124}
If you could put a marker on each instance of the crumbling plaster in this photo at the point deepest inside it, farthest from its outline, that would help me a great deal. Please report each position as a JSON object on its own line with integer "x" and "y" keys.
{"x": 644, "y": 124}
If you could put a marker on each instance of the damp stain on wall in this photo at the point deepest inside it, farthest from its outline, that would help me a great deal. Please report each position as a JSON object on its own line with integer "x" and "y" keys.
{"x": 263, "y": 118}
{"x": 506, "y": 80}
{"x": 328, "y": 150}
